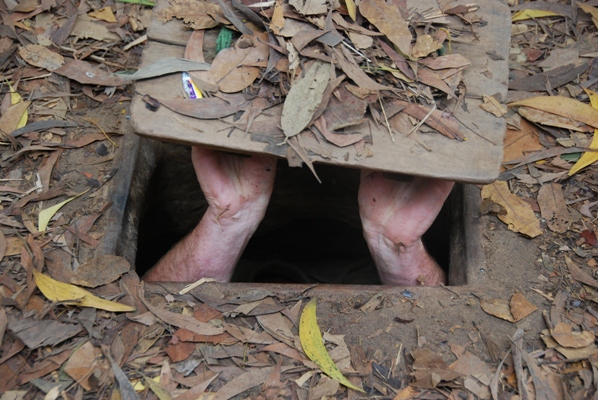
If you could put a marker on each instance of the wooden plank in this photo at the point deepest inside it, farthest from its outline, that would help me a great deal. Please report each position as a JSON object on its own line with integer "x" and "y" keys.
{"x": 476, "y": 160}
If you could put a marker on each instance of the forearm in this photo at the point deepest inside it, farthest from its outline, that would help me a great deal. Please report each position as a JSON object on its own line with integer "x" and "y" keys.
{"x": 399, "y": 265}
{"x": 211, "y": 250}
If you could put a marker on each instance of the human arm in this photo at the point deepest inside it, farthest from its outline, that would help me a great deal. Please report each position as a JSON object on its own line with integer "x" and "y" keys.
{"x": 237, "y": 189}
{"x": 395, "y": 215}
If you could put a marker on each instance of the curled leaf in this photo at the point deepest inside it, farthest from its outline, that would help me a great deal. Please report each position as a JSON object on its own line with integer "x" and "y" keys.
{"x": 313, "y": 345}
{"x": 59, "y": 291}
{"x": 46, "y": 215}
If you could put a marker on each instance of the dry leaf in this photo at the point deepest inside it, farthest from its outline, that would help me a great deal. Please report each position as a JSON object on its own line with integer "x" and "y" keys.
{"x": 277, "y": 22}
{"x": 88, "y": 28}
{"x": 104, "y": 14}
{"x": 40, "y": 56}
{"x": 198, "y": 15}
{"x": 563, "y": 106}
{"x": 424, "y": 45}
{"x": 241, "y": 383}
{"x": 304, "y": 98}
{"x": 235, "y": 68}
{"x": 579, "y": 275}
{"x": 387, "y": 18}
{"x": 46, "y": 215}
{"x": 519, "y": 142}
{"x": 545, "y": 118}
{"x": 521, "y": 307}
{"x": 58, "y": 291}
{"x": 564, "y": 336}
{"x": 100, "y": 271}
{"x": 448, "y": 61}
{"x": 498, "y": 307}
{"x": 493, "y": 106}
{"x": 81, "y": 364}
{"x": 553, "y": 207}
{"x": 310, "y": 7}
{"x": 519, "y": 217}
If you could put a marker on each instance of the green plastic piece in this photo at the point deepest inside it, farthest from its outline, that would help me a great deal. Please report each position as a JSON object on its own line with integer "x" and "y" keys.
{"x": 571, "y": 157}
{"x": 225, "y": 39}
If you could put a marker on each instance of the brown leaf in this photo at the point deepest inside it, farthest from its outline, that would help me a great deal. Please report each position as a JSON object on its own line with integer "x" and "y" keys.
{"x": 42, "y": 333}
{"x": 182, "y": 321}
{"x": 492, "y": 106}
{"x": 545, "y": 118}
{"x": 235, "y": 68}
{"x": 277, "y": 21}
{"x": 398, "y": 59}
{"x": 553, "y": 207}
{"x": 564, "y": 336}
{"x": 255, "y": 376}
{"x": 520, "y": 216}
{"x": 81, "y": 364}
{"x": 344, "y": 109}
{"x": 100, "y": 271}
{"x": 347, "y": 63}
{"x": 11, "y": 117}
{"x": 579, "y": 275}
{"x": 44, "y": 367}
{"x": 88, "y": 74}
{"x": 198, "y": 15}
{"x": 303, "y": 99}
{"x": 424, "y": 45}
{"x": 285, "y": 350}
{"x": 470, "y": 365}
{"x": 448, "y": 61}
{"x": 430, "y": 78}
{"x": 447, "y": 126}
{"x": 498, "y": 307}
{"x": 519, "y": 142}
{"x": 180, "y": 351}
{"x": 40, "y": 56}
{"x": 521, "y": 307}
{"x": 387, "y": 18}
{"x": 196, "y": 391}
{"x": 310, "y": 7}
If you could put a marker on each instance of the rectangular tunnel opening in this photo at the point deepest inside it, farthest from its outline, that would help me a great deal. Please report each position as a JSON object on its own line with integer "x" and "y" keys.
{"x": 311, "y": 232}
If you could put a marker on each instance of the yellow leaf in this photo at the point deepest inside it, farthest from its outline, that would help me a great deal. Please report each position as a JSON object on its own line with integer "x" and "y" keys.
{"x": 589, "y": 157}
{"x": 530, "y": 14}
{"x": 159, "y": 391}
{"x": 105, "y": 14}
{"x": 313, "y": 345}
{"x": 562, "y": 106}
{"x": 59, "y": 291}
{"x": 351, "y": 9}
{"x": 46, "y": 215}
{"x": 519, "y": 216}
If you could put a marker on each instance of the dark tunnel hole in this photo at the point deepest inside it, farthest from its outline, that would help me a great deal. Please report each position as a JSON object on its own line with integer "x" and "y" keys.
{"x": 311, "y": 232}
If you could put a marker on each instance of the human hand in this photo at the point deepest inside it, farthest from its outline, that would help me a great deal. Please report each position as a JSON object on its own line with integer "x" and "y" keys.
{"x": 395, "y": 215}
{"x": 237, "y": 187}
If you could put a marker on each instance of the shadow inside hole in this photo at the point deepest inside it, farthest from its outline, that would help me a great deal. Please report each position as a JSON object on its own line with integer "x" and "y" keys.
{"x": 311, "y": 231}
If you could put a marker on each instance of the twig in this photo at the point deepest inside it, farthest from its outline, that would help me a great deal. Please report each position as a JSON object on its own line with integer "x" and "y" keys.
{"x": 193, "y": 285}
{"x": 386, "y": 119}
{"x": 423, "y": 121}
{"x": 100, "y": 128}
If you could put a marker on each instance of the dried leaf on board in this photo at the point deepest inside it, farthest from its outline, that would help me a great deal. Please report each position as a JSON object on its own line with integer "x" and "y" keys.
{"x": 519, "y": 217}
{"x": 100, "y": 270}
{"x": 304, "y": 98}
{"x": 493, "y": 106}
{"x": 387, "y": 18}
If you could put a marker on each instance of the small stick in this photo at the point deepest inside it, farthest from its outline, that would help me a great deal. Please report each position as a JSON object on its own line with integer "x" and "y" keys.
{"x": 386, "y": 119}
{"x": 423, "y": 121}
{"x": 100, "y": 128}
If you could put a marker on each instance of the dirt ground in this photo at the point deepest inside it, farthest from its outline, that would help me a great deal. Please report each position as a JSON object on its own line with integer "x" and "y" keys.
{"x": 242, "y": 340}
